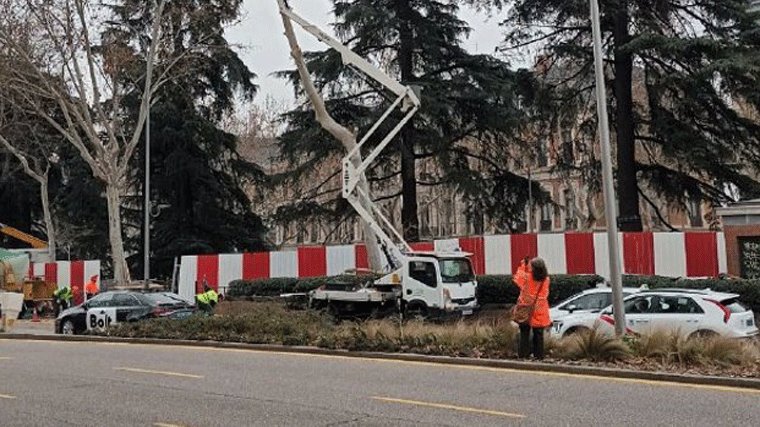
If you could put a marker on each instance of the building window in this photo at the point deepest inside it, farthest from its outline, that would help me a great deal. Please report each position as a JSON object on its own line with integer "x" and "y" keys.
{"x": 541, "y": 153}
{"x": 546, "y": 217}
{"x": 571, "y": 222}
{"x": 694, "y": 206}
{"x": 314, "y": 238}
{"x": 568, "y": 153}
{"x": 425, "y": 221}
{"x": 445, "y": 218}
{"x": 477, "y": 224}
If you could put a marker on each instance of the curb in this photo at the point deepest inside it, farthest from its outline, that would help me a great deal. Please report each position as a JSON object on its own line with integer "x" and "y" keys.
{"x": 745, "y": 383}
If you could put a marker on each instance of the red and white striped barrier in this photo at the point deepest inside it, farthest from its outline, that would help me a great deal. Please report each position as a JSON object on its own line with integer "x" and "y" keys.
{"x": 686, "y": 254}
{"x": 67, "y": 273}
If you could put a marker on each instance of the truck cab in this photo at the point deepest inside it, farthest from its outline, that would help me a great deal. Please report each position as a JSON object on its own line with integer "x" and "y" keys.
{"x": 438, "y": 284}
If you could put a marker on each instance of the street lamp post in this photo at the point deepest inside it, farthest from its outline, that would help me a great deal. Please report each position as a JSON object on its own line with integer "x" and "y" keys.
{"x": 146, "y": 217}
{"x": 607, "y": 181}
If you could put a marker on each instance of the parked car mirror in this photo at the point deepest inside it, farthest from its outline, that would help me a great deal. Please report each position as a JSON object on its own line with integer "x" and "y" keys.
{"x": 571, "y": 308}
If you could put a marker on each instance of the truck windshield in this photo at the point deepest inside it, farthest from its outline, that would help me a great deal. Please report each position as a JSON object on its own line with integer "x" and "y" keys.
{"x": 456, "y": 270}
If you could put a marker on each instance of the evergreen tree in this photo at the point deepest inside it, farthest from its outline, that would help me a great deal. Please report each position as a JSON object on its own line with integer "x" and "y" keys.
{"x": 197, "y": 177}
{"x": 469, "y": 106}
{"x": 698, "y": 67}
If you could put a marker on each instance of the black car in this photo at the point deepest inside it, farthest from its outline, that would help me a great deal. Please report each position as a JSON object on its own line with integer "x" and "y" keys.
{"x": 121, "y": 306}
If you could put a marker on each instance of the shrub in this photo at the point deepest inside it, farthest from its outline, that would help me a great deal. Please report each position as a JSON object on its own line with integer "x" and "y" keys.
{"x": 282, "y": 285}
{"x": 499, "y": 289}
{"x": 593, "y": 345}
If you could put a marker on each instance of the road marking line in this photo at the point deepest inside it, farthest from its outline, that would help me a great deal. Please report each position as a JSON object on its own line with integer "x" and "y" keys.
{"x": 148, "y": 371}
{"x": 7, "y": 396}
{"x": 169, "y": 425}
{"x": 447, "y": 406}
{"x": 5, "y": 358}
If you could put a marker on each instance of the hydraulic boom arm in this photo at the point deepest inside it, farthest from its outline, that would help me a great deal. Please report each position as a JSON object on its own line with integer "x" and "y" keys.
{"x": 406, "y": 101}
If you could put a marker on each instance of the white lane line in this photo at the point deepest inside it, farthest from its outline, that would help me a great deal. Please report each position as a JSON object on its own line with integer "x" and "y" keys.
{"x": 5, "y": 358}
{"x": 7, "y": 396}
{"x": 169, "y": 425}
{"x": 148, "y": 371}
{"x": 447, "y": 406}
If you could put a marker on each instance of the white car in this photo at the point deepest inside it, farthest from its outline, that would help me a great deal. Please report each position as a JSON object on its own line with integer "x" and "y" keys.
{"x": 687, "y": 311}
{"x": 573, "y": 313}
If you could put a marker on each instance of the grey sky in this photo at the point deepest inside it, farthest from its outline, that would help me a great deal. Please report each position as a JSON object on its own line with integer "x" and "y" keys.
{"x": 265, "y": 48}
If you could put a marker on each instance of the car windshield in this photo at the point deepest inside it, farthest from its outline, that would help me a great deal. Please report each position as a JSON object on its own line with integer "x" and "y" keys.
{"x": 456, "y": 270}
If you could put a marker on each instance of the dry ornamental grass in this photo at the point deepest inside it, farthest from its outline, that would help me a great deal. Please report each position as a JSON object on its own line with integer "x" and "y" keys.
{"x": 491, "y": 335}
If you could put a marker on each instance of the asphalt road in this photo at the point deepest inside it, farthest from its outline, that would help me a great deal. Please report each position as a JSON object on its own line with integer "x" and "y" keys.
{"x": 52, "y": 383}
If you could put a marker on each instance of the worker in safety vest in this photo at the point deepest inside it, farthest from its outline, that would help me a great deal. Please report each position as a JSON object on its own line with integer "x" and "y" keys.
{"x": 61, "y": 299}
{"x": 207, "y": 300}
{"x": 91, "y": 288}
{"x": 532, "y": 278}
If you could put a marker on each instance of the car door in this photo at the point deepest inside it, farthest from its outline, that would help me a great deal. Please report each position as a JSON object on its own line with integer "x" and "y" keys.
{"x": 638, "y": 316}
{"x": 100, "y": 312}
{"x": 128, "y": 307}
{"x": 677, "y": 313}
{"x": 422, "y": 284}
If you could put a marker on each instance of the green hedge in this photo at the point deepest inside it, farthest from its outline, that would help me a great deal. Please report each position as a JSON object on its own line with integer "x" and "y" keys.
{"x": 498, "y": 289}
{"x": 277, "y": 286}
{"x": 492, "y": 289}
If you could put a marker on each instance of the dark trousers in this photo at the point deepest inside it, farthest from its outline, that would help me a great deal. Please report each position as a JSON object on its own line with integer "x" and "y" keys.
{"x": 525, "y": 348}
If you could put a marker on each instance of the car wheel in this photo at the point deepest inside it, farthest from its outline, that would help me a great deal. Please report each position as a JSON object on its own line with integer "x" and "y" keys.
{"x": 703, "y": 333}
{"x": 67, "y": 328}
{"x": 574, "y": 330}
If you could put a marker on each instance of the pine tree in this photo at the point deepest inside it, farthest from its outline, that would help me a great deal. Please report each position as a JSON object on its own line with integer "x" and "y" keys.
{"x": 469, "y": 105}
{"x": 695, "y": 68}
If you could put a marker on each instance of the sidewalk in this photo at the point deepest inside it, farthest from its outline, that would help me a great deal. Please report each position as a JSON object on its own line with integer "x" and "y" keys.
{"x": 26, "y": 326}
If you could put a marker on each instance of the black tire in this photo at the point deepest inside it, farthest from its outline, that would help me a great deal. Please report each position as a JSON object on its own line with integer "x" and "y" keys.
{"x": 574, "y": 330}
{"x": 416, "y": 311}
{"x": 702, "y": 334}
{"x": 67, "y": 327}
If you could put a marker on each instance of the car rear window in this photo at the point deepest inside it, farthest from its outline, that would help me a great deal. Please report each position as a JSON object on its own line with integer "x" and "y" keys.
{"x": 167, "y": 300}
{"x": 734, "y": 306}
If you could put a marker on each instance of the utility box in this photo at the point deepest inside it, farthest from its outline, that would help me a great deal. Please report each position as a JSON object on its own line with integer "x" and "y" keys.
{"x": 37, "y": 289}
{"x": 741, "y": 225}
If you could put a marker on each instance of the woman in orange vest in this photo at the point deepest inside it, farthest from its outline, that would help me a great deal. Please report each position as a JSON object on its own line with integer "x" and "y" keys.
{"x": 533, "y": 281}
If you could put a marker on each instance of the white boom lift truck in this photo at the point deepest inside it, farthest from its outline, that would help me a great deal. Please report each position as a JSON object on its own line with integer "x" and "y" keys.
{"x": 417, "y": 284}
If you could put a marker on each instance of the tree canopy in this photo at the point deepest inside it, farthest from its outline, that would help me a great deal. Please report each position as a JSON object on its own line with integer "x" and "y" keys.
{"x": 685, "y": 83}
{"x": 470, "y": 107}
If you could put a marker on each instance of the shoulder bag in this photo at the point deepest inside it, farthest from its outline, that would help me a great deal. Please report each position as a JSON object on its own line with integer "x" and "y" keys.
{"x": 523, "y": 311}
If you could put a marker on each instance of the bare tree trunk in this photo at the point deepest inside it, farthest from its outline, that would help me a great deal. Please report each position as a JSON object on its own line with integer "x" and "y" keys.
{"x": 49, "y": 226}
{"x": 341, "y": 133}
{"x": 120, "y": 268}
{"x": 35, "y": 172}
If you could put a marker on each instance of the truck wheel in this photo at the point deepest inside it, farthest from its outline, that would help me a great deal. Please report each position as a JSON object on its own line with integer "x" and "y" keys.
{"x": 67, "y": 328}
{"x": 416, "y": 312}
